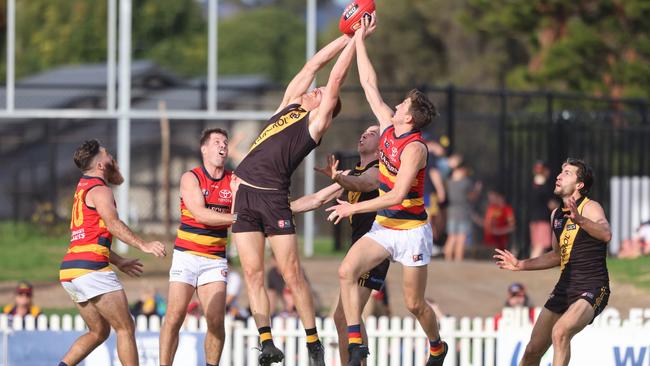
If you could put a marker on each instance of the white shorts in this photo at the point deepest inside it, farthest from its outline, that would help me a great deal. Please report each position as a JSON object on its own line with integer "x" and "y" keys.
{"x": 84, "y": 288}
{"x": 412, "y": 247}
{"x": 196, "y": 270}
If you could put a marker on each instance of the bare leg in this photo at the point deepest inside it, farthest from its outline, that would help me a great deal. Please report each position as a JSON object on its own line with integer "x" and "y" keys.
{"x": 341, "y": 324}
{"x": 180, "y": 294}
{"x": 449, "y": 247}
{"x": 414, "y": 285}
{"x": 364, "y": 255}
{"x": 250, "y": 247}
{"x": 213, "y": 300}
{"x": 115, "y": 309}
{"x": 98, "y": 331}
{"x": 285, "y": 249}
{"x": 540, "y": 338}
{"x": 575, "y": 319}
{"x": 459, "y": 249}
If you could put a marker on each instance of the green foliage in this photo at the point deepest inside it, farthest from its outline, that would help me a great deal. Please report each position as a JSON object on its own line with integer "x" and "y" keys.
{"x": 265, "y": 40}
{"x": 173, "y": 33}
{"x": 597, "y": 47}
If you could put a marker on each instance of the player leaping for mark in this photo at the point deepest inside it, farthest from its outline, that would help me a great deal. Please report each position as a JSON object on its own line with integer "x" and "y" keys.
{"x": 400, "y": 231}
{"x": 262, "y": 200}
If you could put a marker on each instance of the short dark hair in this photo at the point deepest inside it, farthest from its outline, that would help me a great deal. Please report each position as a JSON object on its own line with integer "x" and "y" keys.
{"x": 337, "y": 108}
{"x": 585, "y": 174}
{"x": 422, "y": 109}
{"x": 84, "y": 155}
{"x": 205, "y": 135}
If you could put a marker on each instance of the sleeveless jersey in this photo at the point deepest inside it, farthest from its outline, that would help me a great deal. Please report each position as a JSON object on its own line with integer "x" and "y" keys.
{"x": 278, "y": 150}
{"x": 583, "y": 257}
{"x": 90, "y": 240}
{"x": 410, "y": 213}
{"x": 199, "y": 239}
{"x": 362, "y": 222}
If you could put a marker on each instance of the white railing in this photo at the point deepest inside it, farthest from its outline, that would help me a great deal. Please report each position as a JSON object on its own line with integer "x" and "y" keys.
{"x": 392, "y": 341}
{"x": 629, "y": 207}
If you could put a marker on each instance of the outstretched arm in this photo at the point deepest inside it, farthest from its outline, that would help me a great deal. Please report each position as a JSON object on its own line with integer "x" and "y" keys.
{"x": 368, "y": 79}
{"x": 303, "y": 79}
{"x": 102, "y": 199}
{"x": 315, "y": 200}
{"x": 506, "y": 260}
{"x": 320, "y": 123}
{"x": 366, "y": 182}
{"x": 414, "y": 158}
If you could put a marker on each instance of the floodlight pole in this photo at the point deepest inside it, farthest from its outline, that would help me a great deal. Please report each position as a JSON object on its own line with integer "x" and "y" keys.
{"x": 11, "y": 54}
{"x": 111, "y": 56}
{"x": 124, "y": 121}
{"x": 213, "y": 14}
{"x": 311, "y": 158}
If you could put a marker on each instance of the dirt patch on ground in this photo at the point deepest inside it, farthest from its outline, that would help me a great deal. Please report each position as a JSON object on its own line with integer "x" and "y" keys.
{"x": 470, "y": 288}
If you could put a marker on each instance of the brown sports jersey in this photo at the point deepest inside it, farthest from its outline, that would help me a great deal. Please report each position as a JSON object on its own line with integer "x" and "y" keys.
{"x": 362, "y": 222}
{"x": 583, "y": 257}
{"x": 278, "y": 150}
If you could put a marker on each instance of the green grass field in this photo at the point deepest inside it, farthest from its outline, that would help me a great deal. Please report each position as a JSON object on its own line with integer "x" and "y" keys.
{"x": 633, "y": 271}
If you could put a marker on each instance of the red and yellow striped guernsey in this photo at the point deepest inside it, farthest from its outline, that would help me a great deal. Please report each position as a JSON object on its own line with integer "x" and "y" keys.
{"x": 90, "y": 240}
{"x": 199, "y": 239}
{"x": 410, "y": 213}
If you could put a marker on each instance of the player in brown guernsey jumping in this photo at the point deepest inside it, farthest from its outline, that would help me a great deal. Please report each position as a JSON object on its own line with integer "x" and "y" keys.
{"x": 581, "y": 233}
{"x": 361, "y": 184}
{"x": 85, "y": 271}
{"x": 199, "y": 263}
{"x": 262, "y": 200}
{"x": 400, "y": 231}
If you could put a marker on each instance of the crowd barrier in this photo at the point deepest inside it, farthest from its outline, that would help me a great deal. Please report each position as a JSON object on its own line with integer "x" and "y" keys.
{"x": 611, "y": 340}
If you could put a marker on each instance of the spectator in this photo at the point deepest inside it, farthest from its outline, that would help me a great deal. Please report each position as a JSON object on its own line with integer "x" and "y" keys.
{"x": 499, "y": 221}
{"x": 638, "y": 244}
{"x": 517, "y": 298}
{"x": 23, "y": 304}
{"x": 460, "y": 194}
{"x": 150, "y": 303}
{"x": 541, "y": 202}
{"x": 434, "y": 190}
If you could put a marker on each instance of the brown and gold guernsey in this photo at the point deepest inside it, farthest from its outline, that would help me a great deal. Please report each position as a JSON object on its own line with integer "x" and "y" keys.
{"x": 362, "y": 222}
{"x": 583, "y": 257}
{"x": 278, "y": 150}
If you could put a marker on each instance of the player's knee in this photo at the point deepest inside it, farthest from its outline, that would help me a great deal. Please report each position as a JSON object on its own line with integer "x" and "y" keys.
{"x": 254, "y": 276}
{"x": 174, "y": 320}
{"x": 560, "y": 334}
{"x": 415, "y": 306}
{"x": 100, "y": 334}
{"x": 346, "y": 273}
{"x": 125, "y": 327}
{"x": 293, "y": 276}
{"x": 216, "y": 326}
{"x": 533, "y": 351}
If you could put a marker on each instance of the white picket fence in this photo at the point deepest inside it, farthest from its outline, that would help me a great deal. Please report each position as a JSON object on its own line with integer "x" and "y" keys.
{"x": 392, "y": 341}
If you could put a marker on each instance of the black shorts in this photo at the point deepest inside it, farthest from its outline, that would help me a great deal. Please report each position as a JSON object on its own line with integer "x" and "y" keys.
{"x": 260, "y": 210}
{"x": 560, "y": 300}
{"x": 376, "y": 277}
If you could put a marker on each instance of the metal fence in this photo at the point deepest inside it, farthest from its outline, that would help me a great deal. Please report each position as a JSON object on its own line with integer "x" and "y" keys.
{"x": 499, "y": 133}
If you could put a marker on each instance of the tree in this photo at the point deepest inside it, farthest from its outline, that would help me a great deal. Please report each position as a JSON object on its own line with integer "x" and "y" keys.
{"x": 599, "y": 47}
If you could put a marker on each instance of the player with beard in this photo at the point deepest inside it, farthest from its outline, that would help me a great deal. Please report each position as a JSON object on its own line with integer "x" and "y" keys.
{"x": 580, "y": 236}
{"x": 199, "y": 264}
{"x": 85, "y": 271}
{"x": 361, "y": 184}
